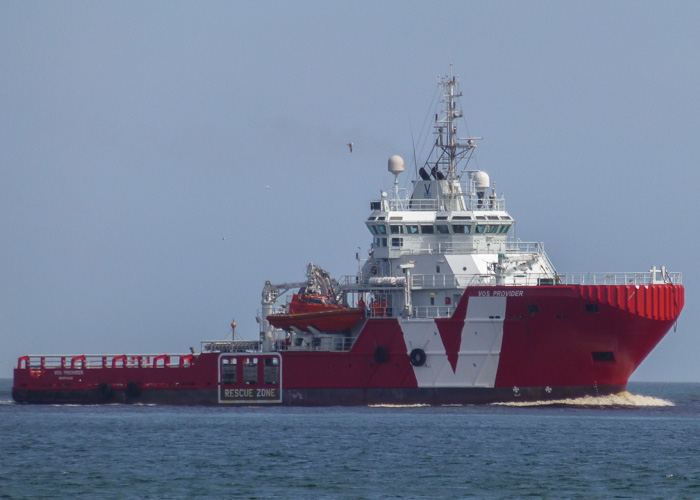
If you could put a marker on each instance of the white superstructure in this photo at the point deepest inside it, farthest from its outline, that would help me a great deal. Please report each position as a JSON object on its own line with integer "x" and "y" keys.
{"x": 450, "y": 232}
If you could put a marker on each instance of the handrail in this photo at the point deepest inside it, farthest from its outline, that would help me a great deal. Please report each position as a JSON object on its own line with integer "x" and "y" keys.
{"x": 644, "y": 278}
{"x": 231, "y": 346}
{"x": 472, "y": 244}
{"x": 461, "y": 281}
{"x": 441, "y": 205}
{"x": 424, "y": 312}
{"x": 326, "y": 343}
{"x": 92, "y": 361}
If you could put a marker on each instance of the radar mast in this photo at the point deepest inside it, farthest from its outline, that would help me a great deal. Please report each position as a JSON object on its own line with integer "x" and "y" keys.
{"x": 452, "y": 149}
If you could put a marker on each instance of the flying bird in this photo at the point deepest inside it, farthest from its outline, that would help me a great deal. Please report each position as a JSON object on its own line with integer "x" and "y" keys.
{"x": 350, "y": 146}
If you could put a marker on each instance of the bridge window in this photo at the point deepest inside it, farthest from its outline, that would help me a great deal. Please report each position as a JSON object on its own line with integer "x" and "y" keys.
{"x": 411, "y": 229}
{"x": 427, "y": 229}
{"x": 442, "y": 229}
{"x": 396, "y": 229}
{"x": 504, "y": 229}
{"x": 381, "y": 229}
{"x": 461, "y": 228}
{"x": 493, "y": 228}
{"x": 480, "y": 229}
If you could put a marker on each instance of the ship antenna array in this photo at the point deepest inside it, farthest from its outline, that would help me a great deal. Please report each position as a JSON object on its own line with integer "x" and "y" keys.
{"x": 453, "y": 148}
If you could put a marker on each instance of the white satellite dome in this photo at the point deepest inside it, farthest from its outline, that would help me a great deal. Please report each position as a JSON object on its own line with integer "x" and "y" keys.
{"x": 481, "y": 180}
{"x": 396, "y": 165}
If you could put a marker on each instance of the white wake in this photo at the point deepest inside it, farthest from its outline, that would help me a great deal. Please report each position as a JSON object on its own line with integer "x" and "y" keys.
{"x": 620, "y": 400}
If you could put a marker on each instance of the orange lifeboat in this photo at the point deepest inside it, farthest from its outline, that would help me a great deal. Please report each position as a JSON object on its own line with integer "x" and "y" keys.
{"x": 306, "y": 311}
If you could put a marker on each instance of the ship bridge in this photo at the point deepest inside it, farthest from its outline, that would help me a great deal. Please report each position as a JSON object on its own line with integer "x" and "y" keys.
{"x": 449, "y": 231}
{"x": 413, "y": 226}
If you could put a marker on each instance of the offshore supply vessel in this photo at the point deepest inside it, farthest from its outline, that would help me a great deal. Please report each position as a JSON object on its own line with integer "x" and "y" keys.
{"x": 449, "y": 308}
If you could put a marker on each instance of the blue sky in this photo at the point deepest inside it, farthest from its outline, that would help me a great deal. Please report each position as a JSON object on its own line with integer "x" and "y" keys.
{"x": 137, "y": 141}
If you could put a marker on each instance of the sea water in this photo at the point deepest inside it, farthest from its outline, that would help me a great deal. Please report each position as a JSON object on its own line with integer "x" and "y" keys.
{"x": 644, "y": 444}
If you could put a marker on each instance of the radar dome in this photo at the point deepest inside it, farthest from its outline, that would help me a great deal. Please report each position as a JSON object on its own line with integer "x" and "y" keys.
{"x": 396, "y": 164}
{"x": 481, "y": 180}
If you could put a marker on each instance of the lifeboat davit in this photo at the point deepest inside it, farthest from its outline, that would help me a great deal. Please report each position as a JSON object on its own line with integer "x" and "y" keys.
{"x": 307, "y": 311}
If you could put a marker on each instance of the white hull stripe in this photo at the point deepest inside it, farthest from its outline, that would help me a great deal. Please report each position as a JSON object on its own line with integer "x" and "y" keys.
{"x": 474, "y": 362}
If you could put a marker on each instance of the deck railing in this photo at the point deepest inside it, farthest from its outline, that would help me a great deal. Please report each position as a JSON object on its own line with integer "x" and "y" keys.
{"x": 644, "y": 278}
{"x": 230, "y": 345}
{"x": 326, "y": 343}
{"x": 88, "y": 361}
{"x": 441, "y": 205}
{"x": 432, "y": 311}
{"x": 460, "y": 281}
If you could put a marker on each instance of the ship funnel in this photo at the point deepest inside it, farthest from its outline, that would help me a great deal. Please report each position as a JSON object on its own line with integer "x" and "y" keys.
{"x": 481, "y": 181}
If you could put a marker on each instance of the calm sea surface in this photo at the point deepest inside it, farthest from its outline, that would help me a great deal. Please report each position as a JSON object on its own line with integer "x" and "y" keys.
{"x": 644, "y": 445}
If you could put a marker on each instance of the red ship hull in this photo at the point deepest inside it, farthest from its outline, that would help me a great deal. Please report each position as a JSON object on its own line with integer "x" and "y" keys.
{"x": 501, "y": 344}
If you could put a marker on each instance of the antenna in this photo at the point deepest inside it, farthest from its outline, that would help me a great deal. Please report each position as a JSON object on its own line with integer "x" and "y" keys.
{"x": 396, "y": 166}
{"x": 454, "y": 148}
{"x": 413, "y": 143}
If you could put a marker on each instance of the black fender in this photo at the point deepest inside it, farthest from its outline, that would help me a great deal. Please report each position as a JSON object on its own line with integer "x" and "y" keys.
{"x": 133, "y": 390}
{"x": 418, "y": 357}
{"x": 105, "y": 391}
